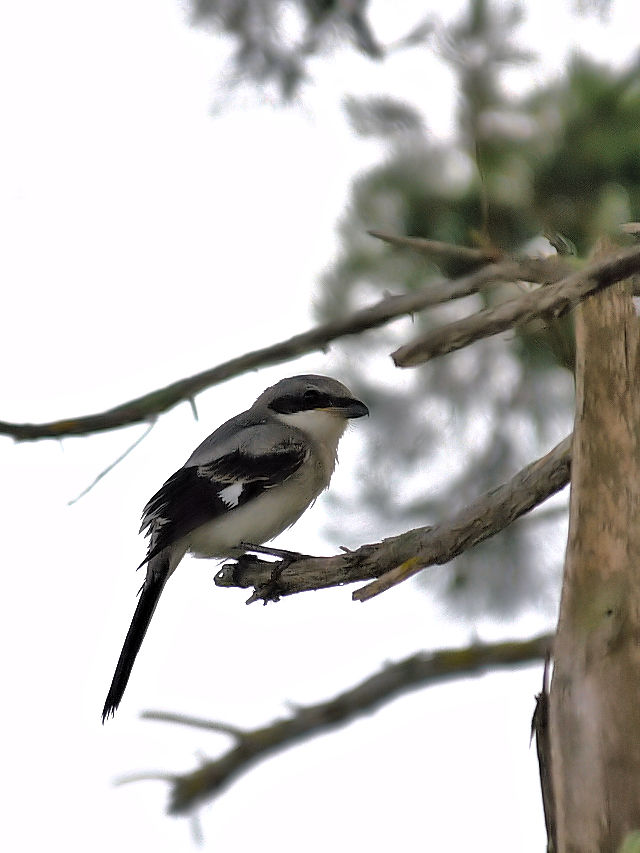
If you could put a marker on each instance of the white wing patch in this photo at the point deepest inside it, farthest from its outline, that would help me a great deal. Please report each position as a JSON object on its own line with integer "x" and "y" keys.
{"x": 230, "y": 495}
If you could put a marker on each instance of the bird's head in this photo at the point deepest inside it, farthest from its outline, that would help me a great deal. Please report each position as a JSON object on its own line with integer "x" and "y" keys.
{"x": 316, "y": 404}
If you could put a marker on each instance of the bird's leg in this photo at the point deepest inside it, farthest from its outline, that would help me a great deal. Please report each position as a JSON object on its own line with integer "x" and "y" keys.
{"x": 282, "y": 554}
{"x": 269, "y": 590}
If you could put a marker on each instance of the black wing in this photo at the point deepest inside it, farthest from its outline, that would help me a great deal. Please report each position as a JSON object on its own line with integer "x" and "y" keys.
{"x": 197, "y": 494}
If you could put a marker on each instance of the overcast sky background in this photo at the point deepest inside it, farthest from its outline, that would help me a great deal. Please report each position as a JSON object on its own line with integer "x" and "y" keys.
{"x": 127, "y": 263}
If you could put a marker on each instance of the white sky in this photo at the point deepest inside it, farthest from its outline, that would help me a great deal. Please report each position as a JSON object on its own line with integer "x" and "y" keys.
{"x": 129, "y": 259}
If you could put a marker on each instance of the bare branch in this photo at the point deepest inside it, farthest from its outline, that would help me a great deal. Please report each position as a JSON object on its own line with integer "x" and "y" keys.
{"x": 395, "y": 559}
{"x": 546, "y": 302}
{"x": 188, "y": 790}
{"x": 151, "y": 405}
{"x": 483, "y": 518}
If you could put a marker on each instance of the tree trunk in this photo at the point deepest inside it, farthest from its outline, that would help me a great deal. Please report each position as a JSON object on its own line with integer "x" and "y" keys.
{"x": 595, "y": 694}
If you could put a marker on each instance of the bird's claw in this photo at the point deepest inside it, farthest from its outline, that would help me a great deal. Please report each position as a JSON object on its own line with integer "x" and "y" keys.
{"x": 270, "y": 591}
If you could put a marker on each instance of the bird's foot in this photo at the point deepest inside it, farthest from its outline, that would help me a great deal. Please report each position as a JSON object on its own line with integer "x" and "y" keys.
{"x": 270, "y": 591}
{"x": 241, "y": 562}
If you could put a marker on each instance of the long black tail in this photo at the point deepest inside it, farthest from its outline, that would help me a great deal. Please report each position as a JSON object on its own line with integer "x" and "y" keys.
{"x": 149, "y": 597}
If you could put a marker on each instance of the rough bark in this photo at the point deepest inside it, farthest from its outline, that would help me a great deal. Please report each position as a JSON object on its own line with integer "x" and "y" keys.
{"x": 595, "y": 694}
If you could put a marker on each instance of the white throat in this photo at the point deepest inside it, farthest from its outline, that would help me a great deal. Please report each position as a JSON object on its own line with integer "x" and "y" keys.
{"x": 322, "y": 425}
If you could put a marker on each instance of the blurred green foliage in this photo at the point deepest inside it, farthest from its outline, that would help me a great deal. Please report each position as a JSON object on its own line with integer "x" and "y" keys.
{"x": 560, "y": 161}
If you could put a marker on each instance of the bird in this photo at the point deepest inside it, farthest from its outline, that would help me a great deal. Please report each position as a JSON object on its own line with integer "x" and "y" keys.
{"x": 252, "y": 478}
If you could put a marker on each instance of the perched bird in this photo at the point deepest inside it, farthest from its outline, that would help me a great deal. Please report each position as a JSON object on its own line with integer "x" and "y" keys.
{"x": 247, "y": 482}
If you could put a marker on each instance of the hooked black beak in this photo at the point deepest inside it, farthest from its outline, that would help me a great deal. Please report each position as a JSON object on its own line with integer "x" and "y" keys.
{"x": 351, "y": 408}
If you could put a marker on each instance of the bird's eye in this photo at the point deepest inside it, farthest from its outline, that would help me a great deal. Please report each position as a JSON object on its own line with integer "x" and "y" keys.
{"x": 289, "y": 404}
{"x": 312, "y": 399}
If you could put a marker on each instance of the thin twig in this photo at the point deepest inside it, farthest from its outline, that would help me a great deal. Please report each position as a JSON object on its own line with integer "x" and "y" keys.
{"x": 546, "y": 302}
{"x": 156, "y": 402}
{"x": 109, "y": 468}
{"x": 395, "y": 559}
{"x": 438, "y": 249}
{"x": 194, "y": 722}
{"x": 188, "y": 790}
{"x": 149, "y": 776}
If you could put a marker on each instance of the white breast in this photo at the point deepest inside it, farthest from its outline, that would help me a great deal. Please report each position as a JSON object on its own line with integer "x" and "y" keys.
{"x": 260, "y": 519}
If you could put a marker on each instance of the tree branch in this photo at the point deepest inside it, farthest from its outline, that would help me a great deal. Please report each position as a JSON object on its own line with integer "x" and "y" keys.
{"x": 420, "y": 670}
{"x": 395, "y": 559}
{"x": 149, "y": 406}
{"x": 552, "y": 301}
